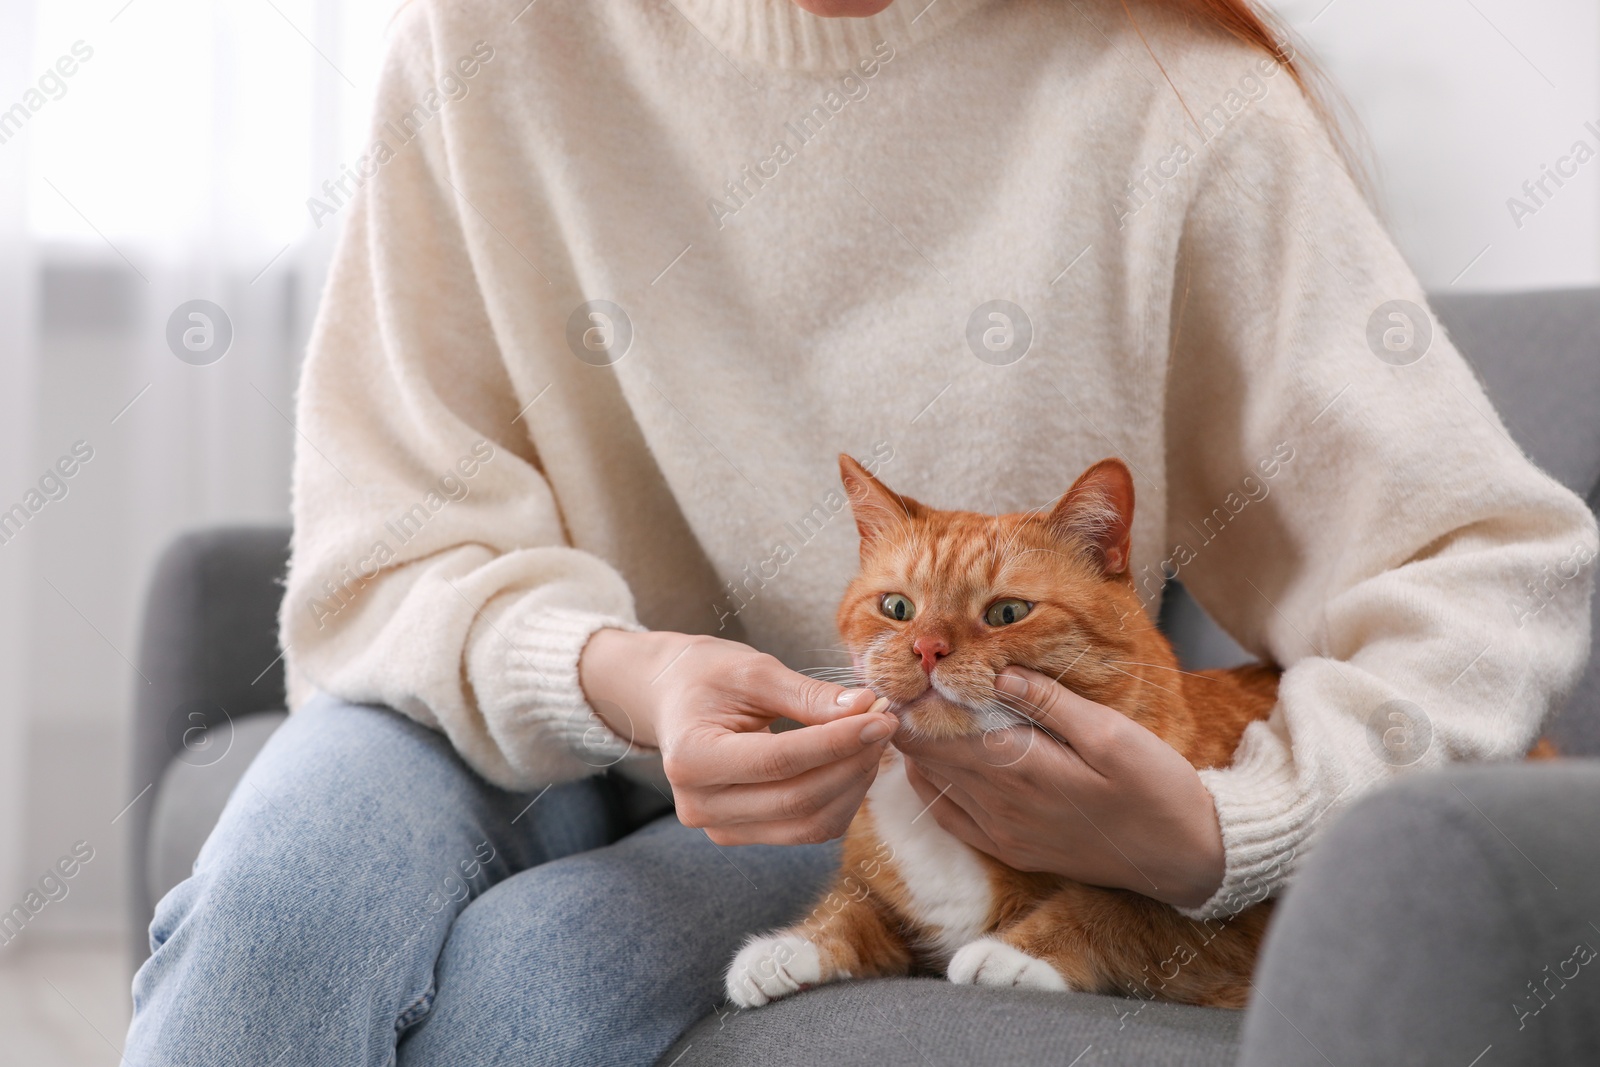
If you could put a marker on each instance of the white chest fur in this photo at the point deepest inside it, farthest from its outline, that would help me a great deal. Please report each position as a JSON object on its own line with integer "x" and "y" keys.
{"x": 948, "y": 885}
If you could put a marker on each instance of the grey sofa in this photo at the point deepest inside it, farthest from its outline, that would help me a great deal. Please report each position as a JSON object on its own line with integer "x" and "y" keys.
{"x": 215, "y": 693}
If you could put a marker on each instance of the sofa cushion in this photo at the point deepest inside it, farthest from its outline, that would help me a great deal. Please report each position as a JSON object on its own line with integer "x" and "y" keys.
{"x": 208, "y": 657}
{"x": 915, "y": 1022}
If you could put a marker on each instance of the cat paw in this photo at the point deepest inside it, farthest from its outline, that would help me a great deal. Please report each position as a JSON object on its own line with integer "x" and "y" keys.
{"x": 770, "y": 968}
{"x": 990, "y": 961}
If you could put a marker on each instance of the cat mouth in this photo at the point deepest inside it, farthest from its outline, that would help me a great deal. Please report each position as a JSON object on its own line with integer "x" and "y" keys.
{"x": 931, "y": 695}
{"x": 922, "y": 699}
{"x": 935, "y": 713}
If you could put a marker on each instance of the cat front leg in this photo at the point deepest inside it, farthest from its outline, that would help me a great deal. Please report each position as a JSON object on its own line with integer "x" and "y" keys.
{"x": 772, "y": 966}
{"x": 846, "y": 936}
{"x": 991, "y": 961}
{"x": 1113, "y": 941}
{"x": 1054, "y": 945}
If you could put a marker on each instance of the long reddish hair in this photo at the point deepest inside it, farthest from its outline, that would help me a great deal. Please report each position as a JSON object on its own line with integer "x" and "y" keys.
{"x": 1241, "y": 19}
{"x": 1244, "y": 21}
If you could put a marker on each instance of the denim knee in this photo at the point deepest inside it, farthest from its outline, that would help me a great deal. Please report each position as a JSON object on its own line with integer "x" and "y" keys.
{"x": 573, "y": 963}
{"x": 606, "y": 957}
{"x": 318, "y": 906}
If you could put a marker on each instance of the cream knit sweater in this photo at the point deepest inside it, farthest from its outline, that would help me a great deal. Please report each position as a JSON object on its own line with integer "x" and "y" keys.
{"x": 798, "y": 226}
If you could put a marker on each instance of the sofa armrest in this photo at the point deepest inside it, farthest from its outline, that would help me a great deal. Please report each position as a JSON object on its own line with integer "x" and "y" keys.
{"x": 1426, "y": 924}
{"x": 208, "y": 657}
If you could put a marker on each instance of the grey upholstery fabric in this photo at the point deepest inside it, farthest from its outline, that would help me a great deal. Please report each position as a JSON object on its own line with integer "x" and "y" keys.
{"x": 209, "y": 647}
{"x": 1575, "y": 727}
{"x": 915, "y": 1022}
{"x": 1538, "y": 355}
{"x": 1199, "y": 643}
{"x": 1425, "y": 918}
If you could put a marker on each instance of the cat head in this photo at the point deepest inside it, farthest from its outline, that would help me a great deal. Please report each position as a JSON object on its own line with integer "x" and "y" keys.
{"x": 945, "y": 600}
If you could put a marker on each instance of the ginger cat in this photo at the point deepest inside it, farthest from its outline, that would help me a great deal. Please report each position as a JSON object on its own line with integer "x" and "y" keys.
{"x": 1050, "y": 591}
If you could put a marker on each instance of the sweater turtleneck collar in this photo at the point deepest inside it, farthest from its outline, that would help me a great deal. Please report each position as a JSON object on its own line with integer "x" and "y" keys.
{"x": 779, "y": 33}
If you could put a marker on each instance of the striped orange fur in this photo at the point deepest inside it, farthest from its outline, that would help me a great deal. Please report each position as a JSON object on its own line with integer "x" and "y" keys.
{"x": 909, "y": 897}
{"x": 1085, "y": 626}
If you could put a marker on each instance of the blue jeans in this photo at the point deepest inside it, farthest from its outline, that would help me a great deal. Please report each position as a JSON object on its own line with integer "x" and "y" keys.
{"x": 367, "y": 899}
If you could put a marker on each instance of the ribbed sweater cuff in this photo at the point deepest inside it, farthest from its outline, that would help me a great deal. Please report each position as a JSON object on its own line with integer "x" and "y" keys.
{"x": 527, "y": 678}
{"x": 1265, "y": 815}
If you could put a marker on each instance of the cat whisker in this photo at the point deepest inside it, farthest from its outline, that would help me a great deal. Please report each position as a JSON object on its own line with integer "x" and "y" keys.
{"x": 1010, "y": 704}
{"x": 1174, "y": 670}
{"x": 1009, "y": 710}
{"x": 1136, "y": 678}
{"x": 831, "y": 674}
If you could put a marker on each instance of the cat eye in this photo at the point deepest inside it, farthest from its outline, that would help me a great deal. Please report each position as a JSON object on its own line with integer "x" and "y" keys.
{"x": 1006, "y": 612}
{"x": 896, "y": 606}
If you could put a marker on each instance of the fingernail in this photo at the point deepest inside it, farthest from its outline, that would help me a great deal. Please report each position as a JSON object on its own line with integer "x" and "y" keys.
{"x": 846, "y": 698}
{"x": 881, "y": 704}
{"x": 1011, "y": 685}
{"x": 876, "y": 731}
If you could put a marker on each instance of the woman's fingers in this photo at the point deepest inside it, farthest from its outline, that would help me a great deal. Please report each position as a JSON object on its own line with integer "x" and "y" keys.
{"x": 926, "y": 781}
{"x": 825, "y": 824}
{"x": 1092, "y": 730}
{"x": 795, "y": 798}
{"x": 1001, "y": 764}
{"x": 811, "y": 702}
{"x": 989, "y": 751}
{"x": 930, "y": 784}
{"x": 943, "y": 808}
{"x": 719, "y": 757}
{"x": 807, "y": 700}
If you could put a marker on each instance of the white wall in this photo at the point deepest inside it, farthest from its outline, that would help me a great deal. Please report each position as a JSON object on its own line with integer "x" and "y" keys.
{"x": 1463, "y": 101}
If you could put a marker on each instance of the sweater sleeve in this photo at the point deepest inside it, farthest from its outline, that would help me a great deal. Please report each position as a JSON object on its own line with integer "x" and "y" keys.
{"x": 1345, "y": 501}
{"x": 430, "y": 568}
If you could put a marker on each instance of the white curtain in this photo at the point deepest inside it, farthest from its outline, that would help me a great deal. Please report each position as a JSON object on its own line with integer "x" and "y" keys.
{"x": 163, "y": 153}
{"x": 16, "y": 391}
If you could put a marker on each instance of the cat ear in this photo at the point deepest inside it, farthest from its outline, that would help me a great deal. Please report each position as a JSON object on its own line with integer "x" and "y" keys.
{"x": 876, "y": 507}
{"x": 1098, "y": 512}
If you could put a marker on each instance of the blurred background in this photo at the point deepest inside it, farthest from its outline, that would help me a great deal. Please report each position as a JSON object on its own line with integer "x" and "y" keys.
{"x": 174, "y": 164}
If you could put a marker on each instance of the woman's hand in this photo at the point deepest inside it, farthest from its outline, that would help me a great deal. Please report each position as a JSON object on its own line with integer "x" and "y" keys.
{"x": 707, "y": 705}
{"x": 1103, "y": 801}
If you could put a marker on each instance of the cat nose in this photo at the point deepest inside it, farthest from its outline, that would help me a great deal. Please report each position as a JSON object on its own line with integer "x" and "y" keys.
{"x": 932, "y": 650}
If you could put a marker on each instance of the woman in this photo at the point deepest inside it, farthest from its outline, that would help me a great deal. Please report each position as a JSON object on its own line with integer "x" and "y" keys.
{"x": 618, "y": 280}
